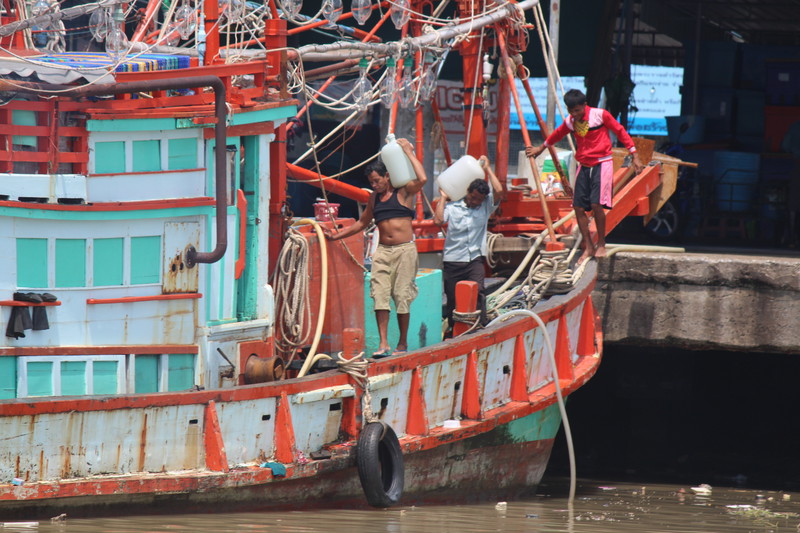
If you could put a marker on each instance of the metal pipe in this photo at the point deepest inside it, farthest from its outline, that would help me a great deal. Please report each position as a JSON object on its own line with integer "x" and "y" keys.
{"x": 344, "y": 50}
{"x": 220, "y": 135}
{"x": 555, "y": 28}
{"x": 501, "y": 41}
{"x": 329, "y": 184}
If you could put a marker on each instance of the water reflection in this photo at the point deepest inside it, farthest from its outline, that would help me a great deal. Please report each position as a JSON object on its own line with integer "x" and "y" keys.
{"x": 600, "y": 507}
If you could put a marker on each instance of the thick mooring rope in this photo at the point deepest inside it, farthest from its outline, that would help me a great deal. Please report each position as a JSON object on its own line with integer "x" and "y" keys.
{"x": 292, "y": 295}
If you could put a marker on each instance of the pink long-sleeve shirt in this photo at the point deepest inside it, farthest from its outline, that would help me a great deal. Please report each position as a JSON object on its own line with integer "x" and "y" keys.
{"x": 594, "y": 144}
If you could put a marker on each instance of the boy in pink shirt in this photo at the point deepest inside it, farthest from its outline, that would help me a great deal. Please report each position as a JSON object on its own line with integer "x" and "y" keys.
{"x": 594, "y": 182}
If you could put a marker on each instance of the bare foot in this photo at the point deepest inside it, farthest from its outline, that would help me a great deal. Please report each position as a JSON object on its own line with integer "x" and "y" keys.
{"x": 601, "y": 251}
{"x": 586, "y": 255}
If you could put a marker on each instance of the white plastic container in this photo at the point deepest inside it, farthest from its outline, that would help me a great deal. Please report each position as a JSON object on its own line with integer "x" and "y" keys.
{"x": 400, "y": 170}
{"x": 456, "y": 178}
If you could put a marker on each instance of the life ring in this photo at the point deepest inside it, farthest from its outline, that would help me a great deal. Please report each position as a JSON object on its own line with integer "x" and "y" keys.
{"x": 380, "y": 465}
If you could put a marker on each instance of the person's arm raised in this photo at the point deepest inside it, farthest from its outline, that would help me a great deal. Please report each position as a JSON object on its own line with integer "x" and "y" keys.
{"x": 416, "y": 185}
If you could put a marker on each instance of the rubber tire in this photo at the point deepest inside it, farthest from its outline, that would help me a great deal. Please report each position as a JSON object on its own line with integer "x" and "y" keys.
{"x": 380, "y": 465}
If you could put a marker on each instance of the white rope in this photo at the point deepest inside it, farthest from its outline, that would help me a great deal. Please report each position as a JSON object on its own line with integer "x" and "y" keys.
{"x": 356, "y": 368}
{"x": 292, "y": 295}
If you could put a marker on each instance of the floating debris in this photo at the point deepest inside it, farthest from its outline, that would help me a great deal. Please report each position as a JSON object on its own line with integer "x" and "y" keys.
{"x": 501, "y": 506}
{"x": 702, "y": 490}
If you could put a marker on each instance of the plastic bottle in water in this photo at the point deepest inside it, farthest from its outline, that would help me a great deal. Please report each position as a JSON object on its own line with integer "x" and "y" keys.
{"x": 400, "y": 169}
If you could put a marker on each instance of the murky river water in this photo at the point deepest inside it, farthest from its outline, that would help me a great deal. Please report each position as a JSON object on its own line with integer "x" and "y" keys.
{"x": 600, "y": 507}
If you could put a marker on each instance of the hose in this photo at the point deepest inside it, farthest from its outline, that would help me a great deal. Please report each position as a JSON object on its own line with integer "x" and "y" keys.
{"x": 323, "y": 298}
{"x": 561, "y": 406}
{"x": 611, "y": 249}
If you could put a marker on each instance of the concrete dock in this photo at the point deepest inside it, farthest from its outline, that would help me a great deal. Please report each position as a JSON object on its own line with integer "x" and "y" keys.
{"x": 701, "y": 301}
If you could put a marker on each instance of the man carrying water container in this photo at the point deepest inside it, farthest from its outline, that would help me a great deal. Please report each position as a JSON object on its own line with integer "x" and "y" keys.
{"x": 465, "y": 242}
{"x": 594, "y": 182}
{"x": 395, "y": 262}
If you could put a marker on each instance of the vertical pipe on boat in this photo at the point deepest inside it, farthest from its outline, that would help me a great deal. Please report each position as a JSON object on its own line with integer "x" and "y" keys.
{"x": 473, "y": 101}
{"x": 501, "y": 41}
{"x": 212, "y": 31}
{"x": 277, "y": 196}
{"x": 555, "y": 24}
{"x": 503, "y": 127}
{"x": 466, "y": 302}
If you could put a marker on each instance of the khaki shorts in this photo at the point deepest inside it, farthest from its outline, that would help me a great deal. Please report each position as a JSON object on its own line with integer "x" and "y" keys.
{"x": 394, "y": 274}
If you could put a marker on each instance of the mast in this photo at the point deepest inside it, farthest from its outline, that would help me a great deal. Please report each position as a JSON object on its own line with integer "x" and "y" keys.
{"x": 471, "y": 53}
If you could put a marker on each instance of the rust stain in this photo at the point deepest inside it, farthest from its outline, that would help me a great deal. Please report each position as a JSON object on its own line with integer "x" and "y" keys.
{"x": 143, "y": 444}
{"x": 67, "y": 461}
{"x": 41, "y": 464}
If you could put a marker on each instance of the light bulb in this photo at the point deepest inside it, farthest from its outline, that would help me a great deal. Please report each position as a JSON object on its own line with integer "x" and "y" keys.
{"x": 406, "y": 90}
{"x": 99, "y": 23}
{"x": 361, "y": 10}
{"x": 362, "y": 93}
{"x": 187, "y": 20}
{"x": 389, "y": 84}
{"x": 401, "y": 12}
{"x": 332, "y": 10}
{"x": 292, "y": 7}
{"x": 172, "y": 36}
{"x": 116, "y": 43}
{"x": 427, "y": 85}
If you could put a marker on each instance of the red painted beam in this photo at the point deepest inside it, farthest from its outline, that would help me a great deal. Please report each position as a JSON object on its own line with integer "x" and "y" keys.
{"x": 153, "y": 298}
{"x": 330, "y": 185}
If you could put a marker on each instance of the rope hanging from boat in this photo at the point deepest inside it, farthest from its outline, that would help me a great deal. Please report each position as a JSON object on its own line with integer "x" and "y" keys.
{"x": 292, "y": 296}
{"x": 356, "y": 368}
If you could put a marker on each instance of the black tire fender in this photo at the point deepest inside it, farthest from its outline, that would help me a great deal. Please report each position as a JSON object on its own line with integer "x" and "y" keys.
{"x": 380, "y": 465}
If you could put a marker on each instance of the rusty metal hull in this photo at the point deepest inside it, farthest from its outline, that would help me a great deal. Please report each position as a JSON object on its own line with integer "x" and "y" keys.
{"x": 487, "y": 466}
{"x": 212, "y": 450}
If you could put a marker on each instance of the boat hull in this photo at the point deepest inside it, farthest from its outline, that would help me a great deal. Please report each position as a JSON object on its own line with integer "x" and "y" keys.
{"x": 506, "y": 462}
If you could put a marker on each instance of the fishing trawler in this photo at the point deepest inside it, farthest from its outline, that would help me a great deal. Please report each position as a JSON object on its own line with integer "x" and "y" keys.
{"x": 160, "y": 354}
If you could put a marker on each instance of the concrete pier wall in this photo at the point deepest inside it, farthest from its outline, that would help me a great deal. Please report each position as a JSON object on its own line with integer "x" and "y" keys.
{"x": 700, "y": 301}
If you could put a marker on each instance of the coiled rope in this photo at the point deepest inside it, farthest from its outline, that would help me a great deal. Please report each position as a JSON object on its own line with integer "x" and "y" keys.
{"x": 292, "y": 295}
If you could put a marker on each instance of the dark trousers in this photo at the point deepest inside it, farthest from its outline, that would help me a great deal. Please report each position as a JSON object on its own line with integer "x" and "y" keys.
{"x": 453, "y": 272}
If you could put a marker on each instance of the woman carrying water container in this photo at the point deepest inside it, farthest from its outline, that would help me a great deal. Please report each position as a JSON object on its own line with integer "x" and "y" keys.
{"x": 395, "y": 262}
{"x": 594, "y": 181}
{"x": 465, "y": 242}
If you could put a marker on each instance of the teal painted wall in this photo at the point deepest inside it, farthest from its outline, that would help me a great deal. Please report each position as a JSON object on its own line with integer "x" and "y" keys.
{"x": 145, "y": 260}
{"x": 425, "y": 324}
{"x": 24, "y": 117}
{"x": 109, "y": 157}
{"x": 146, "y": 377}
{"x": 247, "y": 284}
{"x": 104, "y": 377}
{"x": 180, "y": 372}
{"x": 8, "y": 378}
{"x": 182, "y": 154}
{"x": 146, "y": 156}
{"x": 107, "y": 261}
{"x": 32, "y": 263}
{"x": 73, "y": 378}
{"x": 40, "y": 378}
{"x": 70, "y": 262}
